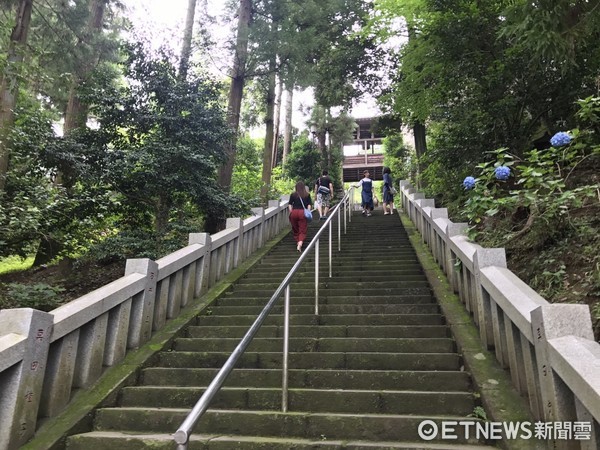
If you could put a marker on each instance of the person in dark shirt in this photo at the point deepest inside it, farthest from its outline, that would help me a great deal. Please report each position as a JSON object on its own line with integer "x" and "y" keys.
{"x": 388, "y": 193}
{"x": 324, "y": 190}
{"x": 299, "y": 200}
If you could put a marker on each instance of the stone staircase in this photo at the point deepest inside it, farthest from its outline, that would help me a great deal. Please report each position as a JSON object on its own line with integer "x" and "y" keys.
{"x": 376, "y": 362}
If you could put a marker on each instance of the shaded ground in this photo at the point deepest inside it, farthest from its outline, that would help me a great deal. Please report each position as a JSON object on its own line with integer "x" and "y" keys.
{"x": 76, "y": 281}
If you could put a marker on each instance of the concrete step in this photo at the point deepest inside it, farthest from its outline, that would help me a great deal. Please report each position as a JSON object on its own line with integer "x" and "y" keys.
{"x": 319, "y": 331}
{"x": 327, "y": 345}
{"x": 363, "y": 289}
{"x": 315, "y": 400}
{"x": 316, "y": 360}
{"x": 330, "y": 319}
{"x": 337, "y": 277}
{"x": 314, "y": 378}
{"x": 350, "y": 257}
{"x": 333, "y": 283}
{"x": 371, "y": 427}
{"x": 112, "y": 440}
{"x": 231, "y": 300}
{"x": 324, "y": 309}
{"x": 353, "y": 262}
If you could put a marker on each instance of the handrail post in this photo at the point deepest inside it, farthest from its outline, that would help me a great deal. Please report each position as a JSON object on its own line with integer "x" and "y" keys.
{"x": 330, "y": 245}
{"x": 346, "y": 209}
{"x": 339, "y": 218}
{"x": 286, "y": 350}
{"x": 317, "y": 277}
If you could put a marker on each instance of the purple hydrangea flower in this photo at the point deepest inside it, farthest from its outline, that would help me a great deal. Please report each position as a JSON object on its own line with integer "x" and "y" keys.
{"x": 559, "y": 139}
{"x": 502, "y": 172}
{"x": 469, "y": 183}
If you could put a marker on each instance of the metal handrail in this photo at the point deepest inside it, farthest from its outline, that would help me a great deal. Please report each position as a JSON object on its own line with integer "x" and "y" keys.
{"x": 182, "y": 435}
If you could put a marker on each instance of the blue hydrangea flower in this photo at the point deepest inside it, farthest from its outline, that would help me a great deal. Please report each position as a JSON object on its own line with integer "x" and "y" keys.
{"x": 559, "y": 139}
{"x": 502, "y": 172}
{"x": 469, "y": 183}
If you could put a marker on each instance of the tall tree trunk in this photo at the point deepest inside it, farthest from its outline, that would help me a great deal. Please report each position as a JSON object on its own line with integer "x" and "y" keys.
{"x": 322, "y": 143}
{"x": 75, "y": 118}
{"x": 9, "y": 86}
{"x": 77, "y": 111}
{"x": 161, "y": 214}
{"x": 278, "y": 105}
{"x": 186, "y": 48}
{"x": 215, "y": 221}
{"x": 418, "y": 127}
{"x": 268, "y": 151}
{"x": 287, "y": 134}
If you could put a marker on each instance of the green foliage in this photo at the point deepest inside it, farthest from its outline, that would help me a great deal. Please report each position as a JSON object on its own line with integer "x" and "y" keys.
{"x": 479, "y": 413}
{"x": 159, "y": 142}
{"x": 138, "y": 244}
{"x": 397, "y": 156}
{"x": 39, "y": 296}
{"x": 477, "y": 85}
{"x": 246, "y": 180}
{"x": 304, "y": 161}
{"x": 31, "y": 206}
{"x": 546, "y": 212}
{"x": 556, "y": 32}
{"x": 280, "y": 184}
{"x": 540, "y": 188}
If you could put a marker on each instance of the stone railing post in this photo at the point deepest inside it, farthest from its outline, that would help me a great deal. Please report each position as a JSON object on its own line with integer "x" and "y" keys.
{"x": 434, "y": 245}
{"x": 237, "y": 223}
{"x": 405, "y": 184}
{"x": 453, "y": 229}
{"x": 425, "y": 234}
{"x": 142, "y": 310}
{"x": 488, "y": 315}
{"x": 22, "y": 383}
{"x": 202, "y": 270}
{"x": 276, "y": 226}
{"x": 260, "y": 212}
{"x": 550, "y": 322}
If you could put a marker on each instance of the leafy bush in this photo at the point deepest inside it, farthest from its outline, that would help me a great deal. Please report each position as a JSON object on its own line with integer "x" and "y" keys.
{"x": 246, "y": 180}
{"x": 544, "y": 208}
{"x": 538, "y": 190}
{"x": 40, "y": 296}
{"x": 304, "y": 161}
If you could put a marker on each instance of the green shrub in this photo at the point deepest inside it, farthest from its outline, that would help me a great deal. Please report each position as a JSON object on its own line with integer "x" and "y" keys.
{"x": 39, "y": 296}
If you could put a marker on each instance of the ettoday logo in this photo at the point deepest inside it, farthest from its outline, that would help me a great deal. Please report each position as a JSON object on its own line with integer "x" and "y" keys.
{"x": 472, "y": 429}
{"x": 428, "y": 430}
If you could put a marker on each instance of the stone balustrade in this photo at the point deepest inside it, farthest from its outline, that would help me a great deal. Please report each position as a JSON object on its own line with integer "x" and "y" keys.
{"x": 549, "y": 349}
{"x": 45, "y": 357}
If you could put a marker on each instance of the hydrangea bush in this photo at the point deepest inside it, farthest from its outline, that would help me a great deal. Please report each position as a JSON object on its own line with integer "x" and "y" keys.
{"x": 540, "y": 186}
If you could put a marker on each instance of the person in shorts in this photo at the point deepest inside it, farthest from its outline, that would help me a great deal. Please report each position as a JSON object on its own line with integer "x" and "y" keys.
{"x": 324, "y": 190}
